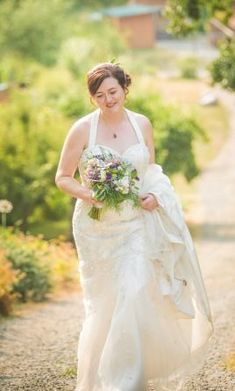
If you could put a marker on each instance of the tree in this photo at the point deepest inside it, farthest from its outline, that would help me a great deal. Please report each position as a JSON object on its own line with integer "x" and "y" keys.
{"x": 223, "y": 68}
{"x": 28, "y": 29}
{"x": 28, "y": 158}
{"x": 187, "y": 16}
{"x": 174, "y": 135}
{"x": 36, "y": 29}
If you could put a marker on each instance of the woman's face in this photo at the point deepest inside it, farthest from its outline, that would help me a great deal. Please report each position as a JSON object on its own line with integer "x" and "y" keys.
{"x": 110, "y": 96}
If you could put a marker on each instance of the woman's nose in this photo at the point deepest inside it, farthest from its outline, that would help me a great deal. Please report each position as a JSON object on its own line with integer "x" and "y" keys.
{"x": 108, "y": 98}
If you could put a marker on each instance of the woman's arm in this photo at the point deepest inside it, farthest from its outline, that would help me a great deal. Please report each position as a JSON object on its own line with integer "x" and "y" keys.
{"x": 149, "y": 140}
{"x": 148, "y": 200}
{"x": 68, "y": 162}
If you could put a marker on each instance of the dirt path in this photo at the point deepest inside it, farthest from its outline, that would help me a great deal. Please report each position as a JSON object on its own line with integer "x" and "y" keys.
{"x": 215, "y": 216}
{"x": 38, "y": 349}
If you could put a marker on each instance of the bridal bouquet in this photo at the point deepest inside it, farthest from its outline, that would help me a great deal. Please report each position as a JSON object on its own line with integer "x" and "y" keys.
{"x": 112, "y": 180}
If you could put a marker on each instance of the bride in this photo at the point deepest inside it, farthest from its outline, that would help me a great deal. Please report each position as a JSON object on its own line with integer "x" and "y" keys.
{"x": 147, "y": 318}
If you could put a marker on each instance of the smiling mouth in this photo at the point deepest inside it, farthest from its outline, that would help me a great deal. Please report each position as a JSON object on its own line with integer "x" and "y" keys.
{"x": 109, "y": 106}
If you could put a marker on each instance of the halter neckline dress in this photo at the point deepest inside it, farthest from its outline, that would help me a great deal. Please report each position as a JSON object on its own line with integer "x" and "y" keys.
{"x": 130, "y": 339}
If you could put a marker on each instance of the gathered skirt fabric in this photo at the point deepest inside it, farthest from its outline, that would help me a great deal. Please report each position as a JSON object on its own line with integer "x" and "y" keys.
{"x": 131, "y": 338}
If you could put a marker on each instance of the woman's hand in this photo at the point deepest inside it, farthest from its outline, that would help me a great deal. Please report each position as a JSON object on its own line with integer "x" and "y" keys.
{"x": 89, "y": 198}
{"x": 148, "y": 201}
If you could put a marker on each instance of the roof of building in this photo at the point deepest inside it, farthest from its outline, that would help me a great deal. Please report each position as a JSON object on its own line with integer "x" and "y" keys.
{"x": 130, "y": 10}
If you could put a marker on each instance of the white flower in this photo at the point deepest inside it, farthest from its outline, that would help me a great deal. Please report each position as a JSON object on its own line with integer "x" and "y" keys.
{"x": 5, "y": 206}
{"x": 125, "y": 181}
{"x": 123, "y": 185}
{"x": 94, "y": 162}
{"x": 102, "y": 175}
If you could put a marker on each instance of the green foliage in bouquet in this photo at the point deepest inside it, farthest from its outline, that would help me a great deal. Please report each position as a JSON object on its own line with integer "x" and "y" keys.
{"x": 112, "y": 180}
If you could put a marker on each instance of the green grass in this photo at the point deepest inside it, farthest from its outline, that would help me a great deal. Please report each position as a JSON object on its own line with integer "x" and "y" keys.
{"x": 70, "y": 372}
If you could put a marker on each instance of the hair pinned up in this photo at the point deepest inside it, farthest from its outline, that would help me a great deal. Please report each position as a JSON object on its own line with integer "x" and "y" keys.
{"x": 101, "y": 71}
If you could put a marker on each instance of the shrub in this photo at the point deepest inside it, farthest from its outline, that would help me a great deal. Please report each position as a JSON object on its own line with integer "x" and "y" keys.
{"x": 8, "y": 277}
{"x": 74, "y": 105}
{"x": 25, "y": 28}
{"x": 36, "y": 281}
{"x": 223, "y": 68}
{"x": 27, "y": 174}
{"x": 31, "y": 267}
{"x": 189, "y": 68}
{"x": 63, "y": 262}
{"x": 174, "y": 135}
{"x": 93, "y": 41}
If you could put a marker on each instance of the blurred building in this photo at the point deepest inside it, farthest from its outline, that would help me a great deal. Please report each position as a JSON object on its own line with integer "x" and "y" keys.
{"x": 161, "y": 22}
{"x": 140, "y": 21}
{"x": 148, "y": 2}
{"x": 135, "y": 22}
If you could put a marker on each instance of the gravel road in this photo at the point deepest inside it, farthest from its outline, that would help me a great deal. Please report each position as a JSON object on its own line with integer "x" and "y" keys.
{"x": 38, "y": 347}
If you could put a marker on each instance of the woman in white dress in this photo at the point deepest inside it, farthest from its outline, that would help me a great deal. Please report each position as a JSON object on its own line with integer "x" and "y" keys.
{"x": 147, "y": 318}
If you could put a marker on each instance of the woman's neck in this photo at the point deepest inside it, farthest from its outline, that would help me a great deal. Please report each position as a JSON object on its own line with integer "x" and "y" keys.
{"x": 114, "y": 117}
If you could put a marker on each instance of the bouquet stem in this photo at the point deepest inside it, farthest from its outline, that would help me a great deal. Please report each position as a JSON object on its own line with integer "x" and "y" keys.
{"x": 95, "y": 213}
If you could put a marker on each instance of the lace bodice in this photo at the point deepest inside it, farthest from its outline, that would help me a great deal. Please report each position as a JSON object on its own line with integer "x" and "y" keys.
{"x": 137, "y": 154}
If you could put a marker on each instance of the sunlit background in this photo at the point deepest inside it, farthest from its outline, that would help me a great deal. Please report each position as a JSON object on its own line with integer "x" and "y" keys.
{"x": 181, "y": 57}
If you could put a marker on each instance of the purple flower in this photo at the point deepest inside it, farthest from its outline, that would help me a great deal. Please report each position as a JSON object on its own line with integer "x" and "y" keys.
{"x": 112, "y": 165}
{"x": 108, "y": 176}
{"x": 93, "y": 175}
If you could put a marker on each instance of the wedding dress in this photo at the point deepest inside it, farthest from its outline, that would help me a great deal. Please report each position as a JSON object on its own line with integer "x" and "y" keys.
{"x": 147, "y": 318}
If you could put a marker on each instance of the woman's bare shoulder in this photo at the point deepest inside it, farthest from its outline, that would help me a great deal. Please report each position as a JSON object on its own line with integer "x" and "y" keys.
{"x": 147, "y": 131}
{"x": 79, "y": 130}
{"x": 82, "y": 124}
{"x": 143, "y": 122}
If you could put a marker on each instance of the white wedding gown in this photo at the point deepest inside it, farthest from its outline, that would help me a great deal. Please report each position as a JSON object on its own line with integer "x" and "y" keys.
{"x": 137, "y": 335}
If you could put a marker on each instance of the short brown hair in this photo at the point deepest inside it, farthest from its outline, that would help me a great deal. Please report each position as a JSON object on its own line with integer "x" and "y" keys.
{"x": 101, "y": 71}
